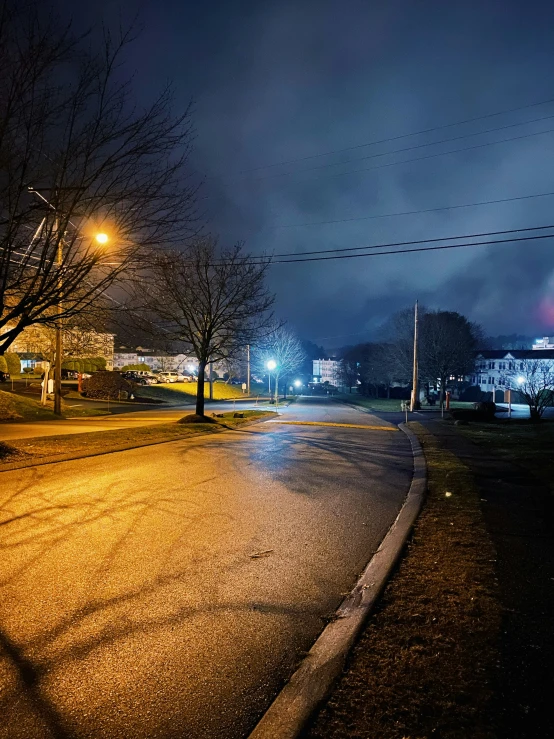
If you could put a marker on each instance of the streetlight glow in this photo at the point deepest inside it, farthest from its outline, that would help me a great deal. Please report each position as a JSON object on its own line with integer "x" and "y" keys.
{"x": 297, "y": 383}
{"x": 520, "y": 380}
{"x": 272, "y": 364}
{"x": 102, "y": 238}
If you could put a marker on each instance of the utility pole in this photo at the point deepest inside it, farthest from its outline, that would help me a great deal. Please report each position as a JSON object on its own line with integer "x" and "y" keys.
{"x": 415, "y": 400}
{"x": 58, "y": 354}
{"x": 248, "y": 369}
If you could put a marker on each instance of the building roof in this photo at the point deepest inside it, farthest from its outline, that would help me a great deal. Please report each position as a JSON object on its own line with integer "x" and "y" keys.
{"x": 516, "y": 353}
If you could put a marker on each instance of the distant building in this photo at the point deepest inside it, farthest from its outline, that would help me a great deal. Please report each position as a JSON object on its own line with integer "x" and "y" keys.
{"x": 159, "y": 361}
{"x": 547, "y": 342}
{"x": 36, "y": 345}
{"x": 495, "y": 369}
{"x": 327, "y": 370}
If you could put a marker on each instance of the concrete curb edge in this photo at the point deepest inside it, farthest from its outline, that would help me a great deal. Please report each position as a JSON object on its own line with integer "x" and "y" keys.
{"x": 312, "y": 681}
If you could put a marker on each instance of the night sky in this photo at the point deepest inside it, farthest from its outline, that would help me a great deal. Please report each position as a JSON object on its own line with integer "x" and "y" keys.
{"x": 275, "y": 81}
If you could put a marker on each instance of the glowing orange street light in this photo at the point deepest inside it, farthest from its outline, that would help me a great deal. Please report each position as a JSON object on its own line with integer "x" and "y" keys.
{"x": 102, "y": 238}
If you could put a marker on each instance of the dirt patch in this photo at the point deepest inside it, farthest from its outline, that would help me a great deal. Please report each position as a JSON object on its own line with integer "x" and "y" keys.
{"x": 426, "y": 661}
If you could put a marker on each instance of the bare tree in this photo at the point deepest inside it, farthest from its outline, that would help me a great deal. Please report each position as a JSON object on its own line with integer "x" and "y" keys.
{"x": 534, "y": 380}
{"x": 212, "y": 302}
{"x": 78, "y": 157}
{"x": 349, "y": 369}
{"x": 285, "y": 349}
{"x": 448, "y": 342}
{"x": 446, "y": 346}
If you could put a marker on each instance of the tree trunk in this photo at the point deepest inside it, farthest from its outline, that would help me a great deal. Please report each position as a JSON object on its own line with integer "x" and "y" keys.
{"x": 350, "y": 389}
{"x": 388, "y": 392}
{"x": 276, "y": 389}
{"x": 200, "y": 389}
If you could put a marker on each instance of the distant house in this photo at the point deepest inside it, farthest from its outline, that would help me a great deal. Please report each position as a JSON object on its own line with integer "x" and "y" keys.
{"x": 495, "y": 369}
{"x": 547, "y": 342}
{"x": 327, "y": 370}
{"x": 37, "y": 344}
{"x": 158, "y": 361}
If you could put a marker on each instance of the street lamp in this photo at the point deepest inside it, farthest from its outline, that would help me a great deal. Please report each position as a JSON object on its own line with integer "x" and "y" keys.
{"x": 101, "y": 238}
{"x": 271, "y": 365}
{"x": 297, "y": 383}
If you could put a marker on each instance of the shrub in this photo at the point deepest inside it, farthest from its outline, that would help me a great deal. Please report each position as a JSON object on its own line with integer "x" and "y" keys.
{"x": 13, "y": 362}
{"x": 28, "y": 370}
{"x": 106, "y": 385}
{"x": 136, "y": 368}
{"x": 3, "y": 363}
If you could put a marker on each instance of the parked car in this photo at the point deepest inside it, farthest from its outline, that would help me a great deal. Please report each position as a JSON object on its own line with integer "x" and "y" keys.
{"x": 151, "y": 379}
{"x": 171, "y": 377}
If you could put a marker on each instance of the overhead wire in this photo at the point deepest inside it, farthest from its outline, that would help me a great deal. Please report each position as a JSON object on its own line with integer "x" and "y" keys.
{"x": 405, "y": 149}
{"x": 411, "y": 212}
{"x": 417, "y": 249}
{"x": 409, "y": 161}
{"x": 399, "y": 136}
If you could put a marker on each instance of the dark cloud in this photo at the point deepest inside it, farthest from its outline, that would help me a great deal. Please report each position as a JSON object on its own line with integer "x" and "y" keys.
{"x": 275, "y": 81}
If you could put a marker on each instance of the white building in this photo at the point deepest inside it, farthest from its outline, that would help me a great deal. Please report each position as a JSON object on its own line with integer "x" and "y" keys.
{"x": 156, "y": 360}
{"x": 327, "y": 370}
{"x": 495, "y": 369}
{"x": 547, "y": 342}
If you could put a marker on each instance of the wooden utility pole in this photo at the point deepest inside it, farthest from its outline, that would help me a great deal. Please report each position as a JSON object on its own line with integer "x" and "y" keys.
{"x": 414, "y": 405}
{"x": 58, "y": 354}
{"x": 248, "y": 369}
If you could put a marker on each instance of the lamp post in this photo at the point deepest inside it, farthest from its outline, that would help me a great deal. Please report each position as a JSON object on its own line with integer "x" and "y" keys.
{"x": 102, "y": 239}
{"x": 271, "y": 365}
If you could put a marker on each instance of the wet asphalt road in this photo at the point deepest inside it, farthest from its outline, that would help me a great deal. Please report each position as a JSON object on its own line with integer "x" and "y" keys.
{"x": 131, "y": 604}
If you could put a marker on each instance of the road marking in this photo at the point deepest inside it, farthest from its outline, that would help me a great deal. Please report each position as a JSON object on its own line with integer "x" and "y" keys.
{"x": 340, "y": 425}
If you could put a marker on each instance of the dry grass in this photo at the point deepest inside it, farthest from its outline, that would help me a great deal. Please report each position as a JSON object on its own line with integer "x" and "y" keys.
{"x": 527, "y": 444}
{"x": 424, "y": 664}
{"x": 103, "y": 442}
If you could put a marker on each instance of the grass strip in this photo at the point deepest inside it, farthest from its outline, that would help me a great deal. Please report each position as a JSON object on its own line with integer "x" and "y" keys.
{"x": 521, "y": 441}
{"x": 102, "y": 442}
{"x": 425, "y": 662}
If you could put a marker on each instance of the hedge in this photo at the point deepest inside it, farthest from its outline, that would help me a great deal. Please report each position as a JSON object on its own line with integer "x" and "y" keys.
{"x": 105, "y": 384}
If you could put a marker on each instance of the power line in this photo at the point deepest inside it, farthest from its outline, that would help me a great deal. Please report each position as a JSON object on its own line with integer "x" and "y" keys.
{"x": 412, "y": 212}
{"x": 415, "y": 159}
{"x": 397, "y": 138}
{"x": 417, "y": 249}
{"x": 406, "y": 148}
{"x": 419, "y": 241}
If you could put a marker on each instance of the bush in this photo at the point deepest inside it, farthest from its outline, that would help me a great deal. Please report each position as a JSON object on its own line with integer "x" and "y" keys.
{"x": 13, "y": 362}
{"x": 3, "y": 363}
{"x": 28, "y": 370}
{"x": 136, "y": 368}
{"x": 106, "y": 385}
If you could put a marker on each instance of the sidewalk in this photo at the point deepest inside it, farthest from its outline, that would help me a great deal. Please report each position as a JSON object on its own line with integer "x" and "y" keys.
{"x": 519, "y": 515}
{"x": 478, "y": 582}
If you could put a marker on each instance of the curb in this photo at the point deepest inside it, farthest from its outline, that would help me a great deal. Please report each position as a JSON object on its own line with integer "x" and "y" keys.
{"x": 312, "y": 681}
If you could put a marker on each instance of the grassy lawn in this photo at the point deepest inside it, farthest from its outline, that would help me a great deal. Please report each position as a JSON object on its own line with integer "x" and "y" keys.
{"x": 528, "y": 444}
{"x": 180, "y": 392}
{"x": 372, "y": 404}
{"x": 424, "y": 664}
{"x": 18, "y": 408}
{"x": 103, "y": 442}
